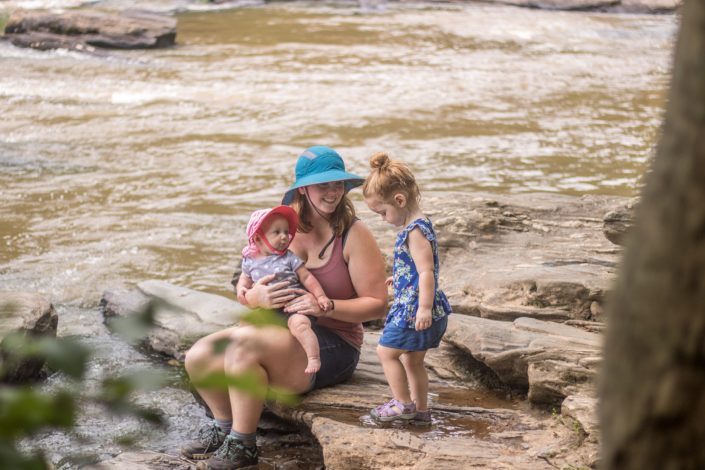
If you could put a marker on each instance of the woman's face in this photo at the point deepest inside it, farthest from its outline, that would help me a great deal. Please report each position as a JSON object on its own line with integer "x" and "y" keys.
{"x": 326, "y": 196}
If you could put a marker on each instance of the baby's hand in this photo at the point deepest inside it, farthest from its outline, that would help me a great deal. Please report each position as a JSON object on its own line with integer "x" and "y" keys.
{"x": 325, "y": 303}
{"x": 423, "y": 319}
{"x": 241, "y": 291}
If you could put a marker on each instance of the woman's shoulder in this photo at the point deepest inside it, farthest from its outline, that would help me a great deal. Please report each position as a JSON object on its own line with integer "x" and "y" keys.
{"x": 359, "y": 241}
{"x": 358, "y": 232}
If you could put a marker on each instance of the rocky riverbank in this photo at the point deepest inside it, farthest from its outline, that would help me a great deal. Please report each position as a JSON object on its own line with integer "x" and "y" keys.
{"x": 513, "y": 384}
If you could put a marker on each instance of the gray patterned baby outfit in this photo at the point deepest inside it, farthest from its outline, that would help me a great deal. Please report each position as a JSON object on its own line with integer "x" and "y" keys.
{"x": 284, "y": 266}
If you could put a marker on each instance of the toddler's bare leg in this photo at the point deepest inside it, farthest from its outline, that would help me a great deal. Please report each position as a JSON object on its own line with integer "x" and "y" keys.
{"x": 413, "y": 362}
{"x": 300, "y": 327}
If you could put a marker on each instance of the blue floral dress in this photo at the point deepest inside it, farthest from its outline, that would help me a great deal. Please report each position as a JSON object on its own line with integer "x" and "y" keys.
{"x": 400, "y": 326}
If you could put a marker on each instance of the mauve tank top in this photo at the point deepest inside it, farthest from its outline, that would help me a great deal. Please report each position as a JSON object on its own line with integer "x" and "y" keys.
{"x": 335, "y": 280}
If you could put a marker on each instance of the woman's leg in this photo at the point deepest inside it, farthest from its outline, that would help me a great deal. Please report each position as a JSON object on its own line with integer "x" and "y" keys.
{"x": 203, "y": 359}
{"x": 394, "y": 372}
{"x": 275, "y": 356}
{"x": 272, "y": 353}
{"x": 300, "y": 327}
{"x": 413, "y": 362}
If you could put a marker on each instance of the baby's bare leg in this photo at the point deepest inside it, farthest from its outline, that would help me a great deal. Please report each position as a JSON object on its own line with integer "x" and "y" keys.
{"x": 300, "y": 327}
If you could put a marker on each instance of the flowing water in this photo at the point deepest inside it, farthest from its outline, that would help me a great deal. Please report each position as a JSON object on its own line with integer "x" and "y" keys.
{"x": 145, "y": 164}
{"x": 131, "y": 165}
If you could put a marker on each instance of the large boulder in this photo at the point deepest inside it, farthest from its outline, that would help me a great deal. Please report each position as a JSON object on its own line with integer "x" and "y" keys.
{"x": 547, "y": 360}
{"x": 28, "y": 314}
{"x": 181, "y": 317}
{"x": 88, "y": 30}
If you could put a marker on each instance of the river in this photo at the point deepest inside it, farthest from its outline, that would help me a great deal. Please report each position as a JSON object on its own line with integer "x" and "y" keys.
{"x": 145, "y": 164}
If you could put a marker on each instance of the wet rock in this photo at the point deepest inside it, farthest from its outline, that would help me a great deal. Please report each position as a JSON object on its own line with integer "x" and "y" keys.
{"x": 87, "y": 30}
{"x": 182, "y": 315}
{"x": 548, "y": 360}
{"x": 28, "y": 314}
{"x": 565, "y": 4}
{"x": 618, "y": 222}
{"x": 143, "y": 460}
{"x": 583, "y": 409}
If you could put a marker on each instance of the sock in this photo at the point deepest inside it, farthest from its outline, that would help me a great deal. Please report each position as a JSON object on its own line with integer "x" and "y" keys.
{"x": 248, "y": 439}
{"x": 224, "y": 424}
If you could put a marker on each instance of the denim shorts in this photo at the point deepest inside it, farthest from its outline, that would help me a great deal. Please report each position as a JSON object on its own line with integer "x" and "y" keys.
{"x": 409, "y": 339}
{"x": 338, "y": 359}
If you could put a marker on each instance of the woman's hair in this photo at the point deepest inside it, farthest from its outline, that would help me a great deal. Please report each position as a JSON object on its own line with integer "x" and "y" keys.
{"x": 340, "y": 220}
{"x": 389, "y": 177}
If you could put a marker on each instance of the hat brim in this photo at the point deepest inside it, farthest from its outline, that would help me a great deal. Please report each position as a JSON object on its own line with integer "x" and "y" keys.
{"x": 288, "y": 213}
{"x": 351, "y": 181}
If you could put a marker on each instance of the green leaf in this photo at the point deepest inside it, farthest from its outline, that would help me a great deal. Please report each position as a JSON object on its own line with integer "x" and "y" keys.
{"x": 264, "y": 317}
{"x": 11, "y": 458}
{"x": 24, "y": 411}
{"x": 65, "y": 355}
{"x": 221, "y": 345}
{"x": 134, "y": 328}
{"x": 248, "y": 382}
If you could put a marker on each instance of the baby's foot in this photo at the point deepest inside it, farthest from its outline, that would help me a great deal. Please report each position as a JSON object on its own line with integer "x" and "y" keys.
{"x": 313, "y": 366}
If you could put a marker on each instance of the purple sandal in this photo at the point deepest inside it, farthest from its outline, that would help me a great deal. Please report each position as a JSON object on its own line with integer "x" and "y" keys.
{"x": 394, "y": 410}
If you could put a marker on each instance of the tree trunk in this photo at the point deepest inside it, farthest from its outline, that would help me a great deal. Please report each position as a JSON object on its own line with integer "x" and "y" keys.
{"x": 653, "y": 382}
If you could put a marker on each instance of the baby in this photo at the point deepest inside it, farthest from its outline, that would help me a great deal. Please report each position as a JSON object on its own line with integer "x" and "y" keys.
{"x": 269, "y": 233}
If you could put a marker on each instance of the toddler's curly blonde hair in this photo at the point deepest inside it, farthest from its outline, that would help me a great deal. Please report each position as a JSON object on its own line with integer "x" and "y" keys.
{"x": 389, "y": 177}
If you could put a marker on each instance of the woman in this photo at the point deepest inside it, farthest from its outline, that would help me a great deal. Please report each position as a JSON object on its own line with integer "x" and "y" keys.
{"x": 341, "y": 253}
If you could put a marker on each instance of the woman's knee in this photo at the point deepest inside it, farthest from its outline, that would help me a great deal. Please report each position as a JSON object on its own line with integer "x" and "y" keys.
{"x": 244, "y": 349}
{"x": 196, "y": 356}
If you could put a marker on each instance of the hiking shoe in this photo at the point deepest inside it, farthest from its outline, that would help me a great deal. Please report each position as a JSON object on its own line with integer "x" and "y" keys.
{"x": 232, "y": 455}
{"x": 210, "y": 438}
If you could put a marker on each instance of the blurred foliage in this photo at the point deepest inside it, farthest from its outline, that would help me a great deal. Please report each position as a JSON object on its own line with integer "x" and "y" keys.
{"x": 264, "y": 317}
{"x": 25, "y": 410}
{"x": 4, "y": 18}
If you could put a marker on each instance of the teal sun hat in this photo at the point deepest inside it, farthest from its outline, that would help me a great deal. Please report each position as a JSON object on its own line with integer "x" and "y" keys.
{"x": 320, "y": 164}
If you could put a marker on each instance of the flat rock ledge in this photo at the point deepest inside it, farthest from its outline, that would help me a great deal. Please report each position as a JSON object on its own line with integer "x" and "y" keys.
{"x": 87, "y": 30}
{"x": 28, "y": 314}
{"x": 474, "y": 427}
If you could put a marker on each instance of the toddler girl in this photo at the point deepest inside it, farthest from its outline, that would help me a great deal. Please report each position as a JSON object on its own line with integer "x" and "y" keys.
{"x": 269, "y": 234}
{"x": 419, "y": 314}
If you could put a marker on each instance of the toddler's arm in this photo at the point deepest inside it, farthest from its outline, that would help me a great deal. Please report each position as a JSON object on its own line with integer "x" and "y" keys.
{"x": 312, "y": 285}
{"x": 243, "y": 285}
{"x": 422, "y": 254}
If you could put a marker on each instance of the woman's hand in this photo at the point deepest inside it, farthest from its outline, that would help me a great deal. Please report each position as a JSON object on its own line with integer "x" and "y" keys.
{"x": 305, "y": 304}
{"x": 266, "y": 295}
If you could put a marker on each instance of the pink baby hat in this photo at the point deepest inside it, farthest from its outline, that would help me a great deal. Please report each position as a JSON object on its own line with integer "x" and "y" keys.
{"x": 258, "y": 218}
